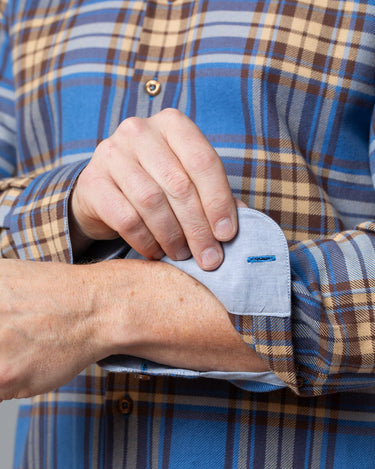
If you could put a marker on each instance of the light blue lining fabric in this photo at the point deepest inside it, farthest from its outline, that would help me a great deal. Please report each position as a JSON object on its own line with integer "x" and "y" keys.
{"x": 128, "y": 364}
{"x": 254, "y": 279}
{"x": 261, "y": 286}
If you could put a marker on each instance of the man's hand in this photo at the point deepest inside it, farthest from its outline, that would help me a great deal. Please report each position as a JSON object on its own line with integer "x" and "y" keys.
{"x": 160, "y": 185}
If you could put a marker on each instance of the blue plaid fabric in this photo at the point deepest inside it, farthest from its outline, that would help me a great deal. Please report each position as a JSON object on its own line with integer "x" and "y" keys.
{"x": 285, "y": 91}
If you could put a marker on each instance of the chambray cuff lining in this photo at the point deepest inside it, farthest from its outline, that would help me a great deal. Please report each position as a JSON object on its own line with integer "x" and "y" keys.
{"x": 129, "y": 364}
{"x": 254, "y": 278}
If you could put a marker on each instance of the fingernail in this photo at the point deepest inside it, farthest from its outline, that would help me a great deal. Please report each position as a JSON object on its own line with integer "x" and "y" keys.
{"x": 183, "y": 254}
{"x": 223, "y": 229}
{"x": 211, "y": 258}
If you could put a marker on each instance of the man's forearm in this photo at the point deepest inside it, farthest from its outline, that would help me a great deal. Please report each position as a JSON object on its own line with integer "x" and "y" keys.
{"x": 48, "y": 331}
{"x": 157, "y": 312}
{"x": 58, "y": 318}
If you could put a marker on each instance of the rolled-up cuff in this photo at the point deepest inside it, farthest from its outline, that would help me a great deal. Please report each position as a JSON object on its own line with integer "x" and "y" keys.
{"x": 252, "y": 282}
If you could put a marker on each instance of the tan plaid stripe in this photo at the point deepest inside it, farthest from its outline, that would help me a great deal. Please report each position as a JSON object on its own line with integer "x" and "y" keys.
{"x": 290, "y": 195}
{"x": 310, "y": 32}
{"x": 291, "y": 53}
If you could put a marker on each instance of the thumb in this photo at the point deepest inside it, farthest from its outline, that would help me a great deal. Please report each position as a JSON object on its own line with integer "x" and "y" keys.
{"x": 239, "y": 203}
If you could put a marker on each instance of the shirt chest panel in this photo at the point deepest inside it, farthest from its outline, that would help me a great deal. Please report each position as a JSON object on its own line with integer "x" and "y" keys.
{"x": 248, "y": 73}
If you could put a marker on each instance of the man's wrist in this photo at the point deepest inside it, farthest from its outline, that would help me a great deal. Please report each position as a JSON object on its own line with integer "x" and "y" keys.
{"x": 78, "y": 239}
{"x": 160, "y": 313}
{"x": 109, "y": 288}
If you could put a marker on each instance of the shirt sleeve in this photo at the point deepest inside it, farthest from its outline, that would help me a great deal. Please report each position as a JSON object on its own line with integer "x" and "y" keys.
{"x": 33, "y": 205}
{"x": 306, "y": 309}
{"x": 34, "y": 215}
{"x": 328, "y": 342}
{"x": 254, "y": 279}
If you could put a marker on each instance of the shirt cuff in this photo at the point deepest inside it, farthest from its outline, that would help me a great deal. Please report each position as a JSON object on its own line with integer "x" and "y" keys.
{"x": 254, "y": 279}
{"x": 34, "y": 215}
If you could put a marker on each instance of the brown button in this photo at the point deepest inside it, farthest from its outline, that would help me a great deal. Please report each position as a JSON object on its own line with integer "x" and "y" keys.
{"x": 153, "y": 87}
{"x": 125, "y": 405}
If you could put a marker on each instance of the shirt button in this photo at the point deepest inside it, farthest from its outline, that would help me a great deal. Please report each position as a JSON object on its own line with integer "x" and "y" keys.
{"x": 125, "y": 405}
{"x": 153, "y": 87}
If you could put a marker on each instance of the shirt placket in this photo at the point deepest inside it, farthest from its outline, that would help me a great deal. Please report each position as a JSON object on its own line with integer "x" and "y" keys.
{"x": 133, "y": 426}
{"x": 162, "y": 50}
{"x": 131, "y": 399}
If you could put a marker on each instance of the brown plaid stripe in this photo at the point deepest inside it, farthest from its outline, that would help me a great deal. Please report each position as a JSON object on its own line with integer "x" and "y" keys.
{"x": 296, "y": 68}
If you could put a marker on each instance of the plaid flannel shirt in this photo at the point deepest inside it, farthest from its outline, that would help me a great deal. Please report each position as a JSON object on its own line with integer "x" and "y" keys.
{"x": 285, "y": 91}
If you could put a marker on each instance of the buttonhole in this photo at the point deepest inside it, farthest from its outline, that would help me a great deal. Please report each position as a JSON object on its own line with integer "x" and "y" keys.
{"x": 255, "y": 259}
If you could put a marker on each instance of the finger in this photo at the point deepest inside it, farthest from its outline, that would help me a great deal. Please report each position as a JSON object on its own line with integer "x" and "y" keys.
{"x": 206, "y": 170}
{"x": 113, "y": 208}
{"x": 150, "y": 202}
{"x": 166, "y": 169}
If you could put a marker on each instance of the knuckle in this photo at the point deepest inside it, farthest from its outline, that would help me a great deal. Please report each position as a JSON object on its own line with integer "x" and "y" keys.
{"x": 199, "y": 233}
{"x": 128, "y": 223}
{"x": 179, "y": 186}
{"x": 203, "y": 160}
{"x": 219, "y": 204}
{"x": 89, "y": 184}
{"x": 103, "y": 156}
{"x": 105, "y": 148}
{"x": 151, "y": 198}
{"x": 171, "y": 114}
{"x": 132, "y": 126}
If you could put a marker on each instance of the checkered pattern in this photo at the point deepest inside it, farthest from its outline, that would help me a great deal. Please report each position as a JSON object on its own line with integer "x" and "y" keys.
{"x": 285, "y": 91}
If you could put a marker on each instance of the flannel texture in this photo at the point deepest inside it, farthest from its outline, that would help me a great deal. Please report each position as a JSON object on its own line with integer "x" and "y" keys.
{"x": 285, "y": 91}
